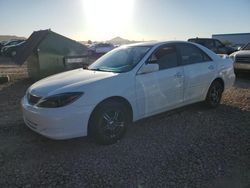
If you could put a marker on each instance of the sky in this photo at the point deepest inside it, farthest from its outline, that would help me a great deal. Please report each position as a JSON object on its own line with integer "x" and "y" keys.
{"x": 100, "y": 20}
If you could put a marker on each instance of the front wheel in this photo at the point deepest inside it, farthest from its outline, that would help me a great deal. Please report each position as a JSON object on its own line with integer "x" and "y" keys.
{"x": 214, "y": 94}
{"x": 109, "y": 122}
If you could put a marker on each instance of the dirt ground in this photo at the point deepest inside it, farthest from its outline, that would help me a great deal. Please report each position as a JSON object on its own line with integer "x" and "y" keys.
{"x": 188, "y": 147}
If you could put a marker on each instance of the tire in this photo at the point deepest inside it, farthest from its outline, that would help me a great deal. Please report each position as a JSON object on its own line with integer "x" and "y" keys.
{"x": 109, "y": 122}
{"x": 214, "y": 94}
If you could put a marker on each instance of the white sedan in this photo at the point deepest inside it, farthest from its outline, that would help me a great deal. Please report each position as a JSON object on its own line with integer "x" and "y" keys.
{"x": 127, "y": 84}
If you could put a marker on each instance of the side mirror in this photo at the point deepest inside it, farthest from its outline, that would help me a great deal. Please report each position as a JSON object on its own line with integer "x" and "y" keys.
{"x": 147, "y": 68}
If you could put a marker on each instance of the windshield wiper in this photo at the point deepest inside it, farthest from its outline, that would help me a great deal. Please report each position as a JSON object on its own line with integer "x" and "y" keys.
{"x": 86, "y": 68}
{"x": 98, "y": 69}
{"x": 95, "y": 69}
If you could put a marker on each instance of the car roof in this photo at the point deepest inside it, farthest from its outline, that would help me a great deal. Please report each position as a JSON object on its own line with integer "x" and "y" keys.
{"x": 156, "y": 43}
{"x": 202, "y": 39}
{"x": 159, "y": 43}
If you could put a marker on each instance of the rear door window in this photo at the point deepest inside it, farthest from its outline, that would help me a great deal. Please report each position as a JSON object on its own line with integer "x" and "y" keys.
{"x": 191, "y": 54}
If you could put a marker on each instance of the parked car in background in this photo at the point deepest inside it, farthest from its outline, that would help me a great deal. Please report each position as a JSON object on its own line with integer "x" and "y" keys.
{"x": 237, "y": 47}
{"x": 9, "y": 43}
{"x": 2, "y": 45}
{"x": 100, "y": 48}
{"x": 127, "y": 84}
{"x": 213, "y": 44}
{"x": 11, "y": 49}
{"x": 241, "y": 58}
{"x": 12, "y": 42}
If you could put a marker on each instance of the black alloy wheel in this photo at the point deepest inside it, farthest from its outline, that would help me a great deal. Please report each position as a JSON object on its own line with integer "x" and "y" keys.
{"x": 214, "y": 94}
{"x": 109, "y": 122}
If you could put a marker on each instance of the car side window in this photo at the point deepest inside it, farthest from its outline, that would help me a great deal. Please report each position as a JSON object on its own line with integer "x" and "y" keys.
{"x": 209, "y": 44}
{"x": 191, "y": 54}
{"x": 218, "y": 44}
{"x": 166, "y": 57}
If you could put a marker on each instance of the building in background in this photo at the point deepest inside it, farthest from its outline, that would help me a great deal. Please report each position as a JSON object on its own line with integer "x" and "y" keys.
{"x": 47, "y": 53}
{"x": 235, "y": 39}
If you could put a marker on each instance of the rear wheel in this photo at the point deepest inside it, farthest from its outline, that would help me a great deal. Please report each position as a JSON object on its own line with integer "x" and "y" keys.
{"x": 214, "y": 94}
{"x": 109, "y": 122}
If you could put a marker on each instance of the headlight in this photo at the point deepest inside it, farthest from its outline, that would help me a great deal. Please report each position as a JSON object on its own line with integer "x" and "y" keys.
{"x": 59, "y": 100}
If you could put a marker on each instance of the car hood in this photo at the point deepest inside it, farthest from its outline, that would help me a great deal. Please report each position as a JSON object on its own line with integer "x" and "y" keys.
{"x": 242, "y": 53}
{"x": 67, "y": 82}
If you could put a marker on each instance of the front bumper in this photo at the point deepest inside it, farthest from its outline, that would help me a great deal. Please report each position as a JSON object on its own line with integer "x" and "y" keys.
{"x": 57, "y": 123}
{"x": 242, "y": 66}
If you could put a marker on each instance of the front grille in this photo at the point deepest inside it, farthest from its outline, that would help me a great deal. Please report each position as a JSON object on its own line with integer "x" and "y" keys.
{"x": 243, "y": 59}
{"x": 33, "y": 99}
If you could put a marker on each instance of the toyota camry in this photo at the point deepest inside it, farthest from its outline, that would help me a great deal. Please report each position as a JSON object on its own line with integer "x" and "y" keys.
{"x": 127, "y": 84}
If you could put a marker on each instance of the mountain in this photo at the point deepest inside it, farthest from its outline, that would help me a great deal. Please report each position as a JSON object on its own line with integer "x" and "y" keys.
{"x": 9, "y": 37}
{"x": 121, "y": 41}
{"x": 116, "y": 41}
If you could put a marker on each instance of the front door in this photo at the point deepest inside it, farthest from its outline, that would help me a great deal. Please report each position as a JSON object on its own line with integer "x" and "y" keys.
{"x": 161, "y": 90}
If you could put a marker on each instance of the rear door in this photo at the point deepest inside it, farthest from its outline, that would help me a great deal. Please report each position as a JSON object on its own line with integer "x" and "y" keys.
{"x": 199, "y": 71}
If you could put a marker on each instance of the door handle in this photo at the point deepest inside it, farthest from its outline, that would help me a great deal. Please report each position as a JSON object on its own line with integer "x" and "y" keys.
{"x": 211, "y": 67}
{"x": 178, "y": 75}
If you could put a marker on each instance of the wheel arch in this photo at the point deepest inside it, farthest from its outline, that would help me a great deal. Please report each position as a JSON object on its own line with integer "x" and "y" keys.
{"x": 119, "y": 99}
{"x": 220, "y": 80}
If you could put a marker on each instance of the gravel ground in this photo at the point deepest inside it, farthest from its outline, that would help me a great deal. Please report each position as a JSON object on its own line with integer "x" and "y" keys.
{"x": 188, "y": 147}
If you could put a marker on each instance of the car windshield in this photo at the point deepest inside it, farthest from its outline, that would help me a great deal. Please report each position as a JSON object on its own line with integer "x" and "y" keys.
{"x": 247, "y": 47}
{"x": 122, "y": 59}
